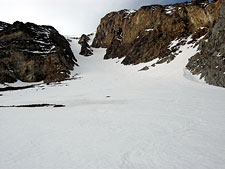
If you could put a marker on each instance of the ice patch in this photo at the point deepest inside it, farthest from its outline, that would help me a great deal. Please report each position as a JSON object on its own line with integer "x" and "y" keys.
{"x": 148, "y": 30}
{"x": 173, "y": 43}
{"x": 128, "y": 13}
{"x": 50, "y": 50}
{"x": 170, "y": 10}
{"x": 219, "y": 55}
{"x": 204, "y": 4}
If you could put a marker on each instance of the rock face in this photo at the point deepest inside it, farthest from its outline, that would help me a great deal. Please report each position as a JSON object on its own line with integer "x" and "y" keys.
{"x": 86, "y": 50}
{"x": 3, "y": 25}
{"x": 33, "y": 53}
{"x": 143, "y": 35}
{"x": 210, "y": 61}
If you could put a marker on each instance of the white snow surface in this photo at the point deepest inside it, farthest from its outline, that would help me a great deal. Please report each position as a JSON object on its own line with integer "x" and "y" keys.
{"x": 163, "y": 118}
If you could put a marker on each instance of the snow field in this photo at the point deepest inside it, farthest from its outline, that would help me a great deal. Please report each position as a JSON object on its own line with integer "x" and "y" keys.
{"x": 163, "y": 118}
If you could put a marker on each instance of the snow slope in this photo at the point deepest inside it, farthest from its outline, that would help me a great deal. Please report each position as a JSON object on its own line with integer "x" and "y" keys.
{"x": 116, "y": 117}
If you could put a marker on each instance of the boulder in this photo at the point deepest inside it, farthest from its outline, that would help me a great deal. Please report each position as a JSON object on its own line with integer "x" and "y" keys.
{"x": 86, "y": 50}
{"x": 83, "y": 38}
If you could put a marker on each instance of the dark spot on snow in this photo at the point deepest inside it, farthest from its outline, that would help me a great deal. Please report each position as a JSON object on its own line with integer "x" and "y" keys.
{"x": 15, "y": 88}
{"x": 36, "y": 105}
{"x": 144, "y": 68}
{"x": 59, "y": 105}
{"x": 108, "y": 96}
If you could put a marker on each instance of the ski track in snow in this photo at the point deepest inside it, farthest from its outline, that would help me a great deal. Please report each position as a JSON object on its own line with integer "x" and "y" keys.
{"x": 163, "y": 118}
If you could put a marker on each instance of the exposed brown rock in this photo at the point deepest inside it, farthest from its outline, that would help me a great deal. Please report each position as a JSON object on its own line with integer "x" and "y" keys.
{"x": 32, "y": 53}
{"x": 86, "y": 50}
{"x": 209, "y": 63}
{"x": 83, "y": 38}
{"x": 143, "y": 35}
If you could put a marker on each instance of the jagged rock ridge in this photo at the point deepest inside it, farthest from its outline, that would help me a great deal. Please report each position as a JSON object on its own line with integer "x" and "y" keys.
{"x": 209, "y": 63}
{"x": 143, "y": 35}
{"x": 3, "y": 25}
{"x": 32, "y": 53}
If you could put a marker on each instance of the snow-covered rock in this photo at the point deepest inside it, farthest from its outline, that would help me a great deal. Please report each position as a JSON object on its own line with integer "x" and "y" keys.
{"x": 31, "y": 53}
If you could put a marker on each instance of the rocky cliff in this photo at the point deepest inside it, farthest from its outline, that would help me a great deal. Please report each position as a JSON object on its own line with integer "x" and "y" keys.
{"x": 32, "y": 53}
{"x": 145, "y": 34}
{"x": 3, "y": 25}
{"x": 209, "y": 63}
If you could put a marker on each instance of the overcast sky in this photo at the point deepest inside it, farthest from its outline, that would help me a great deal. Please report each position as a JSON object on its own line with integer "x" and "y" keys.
{"x": 69, "y": 17}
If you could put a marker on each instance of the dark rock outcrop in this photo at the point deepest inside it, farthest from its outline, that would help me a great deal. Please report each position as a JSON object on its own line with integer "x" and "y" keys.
{"x": 84, "y": 38}
{"x": 143, "y": 35}
{"x": 32, "y": 53}
{"x": 86, "y": 50}
{"x": 3, "y": 25}
{"x": 209, "y": 63}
